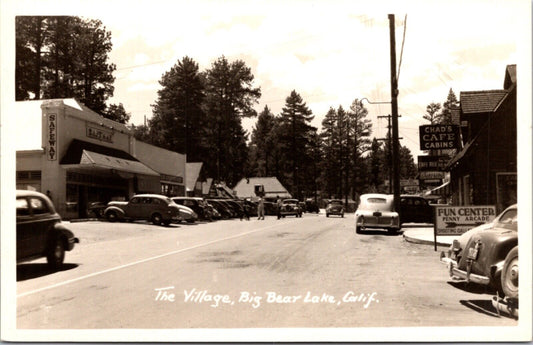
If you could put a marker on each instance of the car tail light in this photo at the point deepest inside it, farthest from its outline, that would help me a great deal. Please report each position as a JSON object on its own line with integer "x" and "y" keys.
{"x": 456, "y": 246}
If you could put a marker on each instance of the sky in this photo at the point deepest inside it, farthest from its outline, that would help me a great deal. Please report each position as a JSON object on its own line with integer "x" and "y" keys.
{"x": 330, "y": 52}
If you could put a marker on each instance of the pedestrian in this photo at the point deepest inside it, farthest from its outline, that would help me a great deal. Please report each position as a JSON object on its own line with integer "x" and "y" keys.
{"x": 261, "y": 209}
{"x": 278, "y": 206}
{"x": 245, "y": 208}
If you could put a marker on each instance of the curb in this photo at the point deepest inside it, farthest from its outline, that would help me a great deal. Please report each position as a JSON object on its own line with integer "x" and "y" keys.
{"x": 421, "y": 241}
{"x": 79, "y": 220}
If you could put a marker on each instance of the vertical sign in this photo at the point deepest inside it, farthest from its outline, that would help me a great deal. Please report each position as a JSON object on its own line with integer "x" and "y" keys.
{"x": 52, "y": 137}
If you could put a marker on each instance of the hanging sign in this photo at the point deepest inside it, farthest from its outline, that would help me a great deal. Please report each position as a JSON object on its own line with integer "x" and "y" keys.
{"x": 439, "y": 137}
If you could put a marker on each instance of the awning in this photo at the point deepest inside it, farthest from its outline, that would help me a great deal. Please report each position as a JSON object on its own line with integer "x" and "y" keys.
{"x": 437, "y": 188}
{"x": 88, "y": 156}
{"x": 101, "y": 161}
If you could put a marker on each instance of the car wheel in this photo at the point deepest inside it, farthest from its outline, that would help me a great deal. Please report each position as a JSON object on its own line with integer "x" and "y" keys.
{"x": 56, "y": 254}
{"x": 327, "y": 214}
{"x": 157, "y": 219}
{"x": 190, "y": 220}
{"x": 357, "y": 229}
{"x": 392, "y": 231}
{"x": 510, "y": 274}
{"x": 112, "y": 216}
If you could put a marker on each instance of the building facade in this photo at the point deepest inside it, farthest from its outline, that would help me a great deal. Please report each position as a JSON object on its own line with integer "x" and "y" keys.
{"x": 484, "y": 172}
{"x": 77, "y": 157}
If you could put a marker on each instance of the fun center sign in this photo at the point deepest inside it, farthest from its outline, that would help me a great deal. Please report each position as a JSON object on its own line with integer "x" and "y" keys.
{"x": 455, "y": 220}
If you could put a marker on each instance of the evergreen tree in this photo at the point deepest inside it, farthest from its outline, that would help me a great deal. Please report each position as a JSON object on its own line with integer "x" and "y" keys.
{"x": 177, "y": 113}
{"x": 294, "y": 121}
{"x": 117, "y": 113}
{"x": 230, "y": 95}
{"x": 451, "y": 103}
{"x": 360, "y": 130}
{"x": 432, "y": 113}
{"x": 262, "y": 142}
{"x": 63, "y": 57}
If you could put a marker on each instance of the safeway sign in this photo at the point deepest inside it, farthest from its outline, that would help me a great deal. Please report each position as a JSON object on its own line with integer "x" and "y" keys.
{"x": 455, "y": 220}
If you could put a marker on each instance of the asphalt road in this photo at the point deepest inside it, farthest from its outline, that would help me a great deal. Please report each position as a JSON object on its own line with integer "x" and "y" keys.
{"x": 294, "y": 272}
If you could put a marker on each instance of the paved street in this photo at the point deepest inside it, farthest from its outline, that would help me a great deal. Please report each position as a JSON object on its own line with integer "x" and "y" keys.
{"x": 294, "y": 272}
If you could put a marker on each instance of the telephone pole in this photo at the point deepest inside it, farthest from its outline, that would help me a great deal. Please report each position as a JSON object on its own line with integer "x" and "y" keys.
{"x": 394, "y": 110}
{"x": 389, "y": 152}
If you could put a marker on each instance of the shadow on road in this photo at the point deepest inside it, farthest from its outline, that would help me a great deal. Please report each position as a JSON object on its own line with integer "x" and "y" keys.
{"x": 380, "y": 232}
{"x": 31, "y": 271}
{"x": 472, "y": 288}
{"x": 481, "y": 306}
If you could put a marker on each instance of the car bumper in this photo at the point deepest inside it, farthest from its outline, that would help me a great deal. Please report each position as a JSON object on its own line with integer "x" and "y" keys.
{"x": 71, "y": 242}
{"x": 454, "y": 271}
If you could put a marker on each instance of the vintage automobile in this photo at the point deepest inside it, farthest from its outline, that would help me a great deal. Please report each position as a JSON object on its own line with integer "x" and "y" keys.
{"x": 156, "y": 208}
{"x": 376, "y": 211}
{"x": 222, "y": 209}
{"x": 415, "y": 209}
{"x": 187, "y": 214}
{"x": 488, "y": 255}
{"x": 40, "y": 232}
{"x": 197, "y": 204}
{"x": 336, "y": 207}
{"x": 311, "y": 205}
{"x": 290, "y": 207}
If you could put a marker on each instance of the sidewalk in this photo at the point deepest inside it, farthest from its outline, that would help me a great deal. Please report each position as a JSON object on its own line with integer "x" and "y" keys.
{"x": 423, "y": 234}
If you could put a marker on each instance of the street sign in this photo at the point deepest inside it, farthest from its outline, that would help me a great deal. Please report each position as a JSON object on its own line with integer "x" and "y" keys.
{"x": 431, "y": 175}
{"x": 455, "y": 220}
{"x": 432, "y": 163}
{"x": 439, "y": 137}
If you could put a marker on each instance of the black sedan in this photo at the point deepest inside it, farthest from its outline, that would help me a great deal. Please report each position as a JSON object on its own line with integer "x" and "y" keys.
{"x": 40, "y": 232}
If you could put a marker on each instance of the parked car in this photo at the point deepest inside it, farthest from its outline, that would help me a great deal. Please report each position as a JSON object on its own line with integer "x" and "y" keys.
{"x": 221, "y": 208}
{"x": 376, "y": 211}
{"x": 96, "y": 209}
{"x": 156, "y": 208}
{"x": 488, "y": 255}
{"x": 40, "y": 231}
{"x": 336, "y": 207}
{"x": 415, "y": 209}
{"x": 290, "y": 207}
{"x": 251, "y": 207}
{"x": 197, "y": 204}
{"x": 187, "y": 214}
{"x": 311, "y": 205}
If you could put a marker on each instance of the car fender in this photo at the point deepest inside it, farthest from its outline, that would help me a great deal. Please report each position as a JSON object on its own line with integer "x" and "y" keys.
{"x": 64, "y": 234}
{"x": 120, "y": 212}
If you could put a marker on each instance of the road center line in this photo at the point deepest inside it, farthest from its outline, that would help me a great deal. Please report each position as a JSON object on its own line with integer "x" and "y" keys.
{"x": 149, "y": 259}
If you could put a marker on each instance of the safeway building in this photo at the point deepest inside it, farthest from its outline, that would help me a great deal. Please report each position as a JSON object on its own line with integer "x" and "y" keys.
{"x": 76, "y": 156}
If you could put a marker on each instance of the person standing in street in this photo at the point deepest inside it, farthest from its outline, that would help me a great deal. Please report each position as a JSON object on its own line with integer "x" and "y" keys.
{"x": 278, "y": 206}
{"x": 261, "y": 209}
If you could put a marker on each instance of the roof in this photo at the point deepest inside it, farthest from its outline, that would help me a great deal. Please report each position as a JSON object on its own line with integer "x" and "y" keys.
{"x": 28, "y": 123}
{"x": 510, "y": 76}
{"x": 245, "y": 187}
{"x": 486, "y": 101}
{"x": 192, "y": 173}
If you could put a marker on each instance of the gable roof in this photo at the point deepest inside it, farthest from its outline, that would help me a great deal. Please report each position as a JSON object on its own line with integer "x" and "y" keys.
{"x": 510, "y": 76}
{"x": 192, "y": 172}
{"x": 476, "y": 102}
{"x": 245, "y": 187}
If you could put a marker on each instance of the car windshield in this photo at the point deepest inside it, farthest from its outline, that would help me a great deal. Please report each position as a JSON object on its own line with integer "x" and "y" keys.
{"x": 335, "y": 202}
{"x": 376, "y": 204}
{"x": 290, "y": 201}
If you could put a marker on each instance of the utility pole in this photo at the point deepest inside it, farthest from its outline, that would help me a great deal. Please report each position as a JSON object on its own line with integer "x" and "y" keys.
{"x": 389, "y": 154}
{"x": 394, "y": 109}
